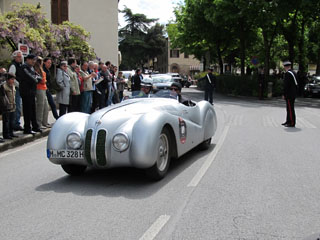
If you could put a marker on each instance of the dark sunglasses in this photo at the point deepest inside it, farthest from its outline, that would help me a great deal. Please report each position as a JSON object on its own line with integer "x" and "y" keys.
{"x": 174, "y": 89}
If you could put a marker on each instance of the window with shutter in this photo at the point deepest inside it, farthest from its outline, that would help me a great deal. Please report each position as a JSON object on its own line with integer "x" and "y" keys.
{"x": 54, "y": 11}
{"x": 64, "y": 10}
{"x": 59, "y": 11}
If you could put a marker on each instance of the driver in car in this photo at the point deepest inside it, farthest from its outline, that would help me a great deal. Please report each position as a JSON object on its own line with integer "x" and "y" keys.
{"x": 146, "y": 89}
{"x": 176, "y": 89}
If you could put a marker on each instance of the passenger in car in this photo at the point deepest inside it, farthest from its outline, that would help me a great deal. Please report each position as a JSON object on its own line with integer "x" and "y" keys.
{"x": 176, "y": 88}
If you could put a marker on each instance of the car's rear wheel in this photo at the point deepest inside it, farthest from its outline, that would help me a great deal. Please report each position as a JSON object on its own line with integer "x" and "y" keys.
{"x": 160, "y": 168}
{"x": 205, "y": 144}
{"x": 74, "y": 170}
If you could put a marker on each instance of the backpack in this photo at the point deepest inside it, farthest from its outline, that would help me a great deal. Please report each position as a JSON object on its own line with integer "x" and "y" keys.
{"x": 4, "y": 101}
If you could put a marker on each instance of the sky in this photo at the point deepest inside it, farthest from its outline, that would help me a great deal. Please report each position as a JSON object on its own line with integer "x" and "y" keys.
{"x": 161, "y": 9}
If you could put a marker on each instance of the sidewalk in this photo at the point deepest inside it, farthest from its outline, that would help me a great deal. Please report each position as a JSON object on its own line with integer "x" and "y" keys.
{"x": 24, "y": 138}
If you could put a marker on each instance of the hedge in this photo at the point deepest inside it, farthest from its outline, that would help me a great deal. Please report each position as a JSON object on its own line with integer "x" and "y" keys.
{"x": 242, "y": 85}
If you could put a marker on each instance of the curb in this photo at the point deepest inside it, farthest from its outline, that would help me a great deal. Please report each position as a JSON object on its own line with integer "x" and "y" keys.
{"x": 22, "y": 139}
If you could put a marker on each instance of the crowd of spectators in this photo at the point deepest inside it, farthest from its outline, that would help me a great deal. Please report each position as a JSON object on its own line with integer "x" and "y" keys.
{"x": 29, "y": 85}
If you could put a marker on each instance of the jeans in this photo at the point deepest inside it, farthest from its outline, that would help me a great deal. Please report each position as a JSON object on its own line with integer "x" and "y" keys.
{"x": 8, "y": 119}
{"x": 18, "y": 109}
{"x": 86, "y": 101}
{"x": 110, "y": 94}
{"x": 52, "y": 105}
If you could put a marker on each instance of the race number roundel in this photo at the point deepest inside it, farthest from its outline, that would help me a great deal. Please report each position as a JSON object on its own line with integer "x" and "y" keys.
{"x": 182, "y": 130}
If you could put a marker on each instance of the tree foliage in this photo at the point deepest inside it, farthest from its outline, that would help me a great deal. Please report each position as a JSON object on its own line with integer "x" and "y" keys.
{"x": 27, "y": 24}
{"x": 138, "y": 42}
{"x": 234, "y": 31}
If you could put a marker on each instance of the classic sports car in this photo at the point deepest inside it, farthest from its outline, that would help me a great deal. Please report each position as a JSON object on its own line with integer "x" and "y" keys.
{"x": 139, "y": 132}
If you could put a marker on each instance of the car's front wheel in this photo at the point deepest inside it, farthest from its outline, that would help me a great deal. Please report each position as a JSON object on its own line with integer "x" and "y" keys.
{"x": 160, "y": 168}
{"x": 74, "y": 170}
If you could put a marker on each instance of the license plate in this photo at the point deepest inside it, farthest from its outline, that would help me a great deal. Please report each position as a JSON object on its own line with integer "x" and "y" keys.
{"x": 69, "y": 154}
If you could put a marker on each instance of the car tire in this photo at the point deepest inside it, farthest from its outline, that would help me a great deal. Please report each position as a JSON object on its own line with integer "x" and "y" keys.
{"x": 74, "y": 170}
{"x": 205, "y": 145}
{"x": 160, "y": 168}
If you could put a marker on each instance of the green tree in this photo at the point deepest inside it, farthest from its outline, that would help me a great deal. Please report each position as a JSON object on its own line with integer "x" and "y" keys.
{"x": 137, "y": 41}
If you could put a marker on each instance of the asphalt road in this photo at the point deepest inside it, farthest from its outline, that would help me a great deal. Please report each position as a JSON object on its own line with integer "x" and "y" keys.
{"x": 258, "y": 180}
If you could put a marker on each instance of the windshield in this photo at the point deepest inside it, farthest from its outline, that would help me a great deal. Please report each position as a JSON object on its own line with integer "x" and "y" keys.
{"x": 161, "y": 79}
{"x": 127, "y": 75}
{"x": 159, "y": 94}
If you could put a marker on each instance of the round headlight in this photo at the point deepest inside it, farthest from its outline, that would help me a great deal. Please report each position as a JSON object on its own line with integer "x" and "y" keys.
{"x": 120, "y": 142}
{"x": 74, "y": 140}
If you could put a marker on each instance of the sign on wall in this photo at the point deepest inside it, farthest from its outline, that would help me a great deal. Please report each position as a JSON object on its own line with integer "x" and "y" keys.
{"x": 24, "y": 49}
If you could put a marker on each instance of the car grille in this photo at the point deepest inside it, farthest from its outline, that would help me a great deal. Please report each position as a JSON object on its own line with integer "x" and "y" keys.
{"x": 101, "y": 147}
{"x": 87, "y": 147}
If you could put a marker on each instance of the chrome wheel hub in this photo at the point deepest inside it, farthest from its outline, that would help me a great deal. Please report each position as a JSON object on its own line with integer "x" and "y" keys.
{"x": 163, "y": 152}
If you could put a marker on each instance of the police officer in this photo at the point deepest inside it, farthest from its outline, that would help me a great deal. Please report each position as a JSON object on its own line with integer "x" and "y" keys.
{"x": 290, "y": 86}
{"x": 210, "y": 84}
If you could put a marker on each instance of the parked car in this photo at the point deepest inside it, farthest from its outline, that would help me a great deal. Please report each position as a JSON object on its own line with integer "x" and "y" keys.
{"x": 139, "y": 132}
{"x": 178, "y": 78}
{"x": 127, "y": 77}
{"x": 162, "y": 81}
{"x": 313, "y": 87}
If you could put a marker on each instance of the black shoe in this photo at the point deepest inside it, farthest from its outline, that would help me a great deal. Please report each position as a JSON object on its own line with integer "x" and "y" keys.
{"x": 289, "y": 125}
{"x": 19, "y": 128}
{"x": 29, "y": 132}
{"x": 283, "y": 124}
{"x": 37, "y": 130}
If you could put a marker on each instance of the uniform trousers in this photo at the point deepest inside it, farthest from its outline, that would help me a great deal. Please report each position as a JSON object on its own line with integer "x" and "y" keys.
{"x": 291, "y": 115}
{"x": 208, "y": 94}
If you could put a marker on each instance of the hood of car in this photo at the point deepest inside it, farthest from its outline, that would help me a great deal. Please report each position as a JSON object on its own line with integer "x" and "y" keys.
{"x": 115, "y": 115}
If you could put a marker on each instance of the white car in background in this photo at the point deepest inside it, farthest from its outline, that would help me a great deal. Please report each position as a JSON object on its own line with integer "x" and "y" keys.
{"x": 127, "y": 77}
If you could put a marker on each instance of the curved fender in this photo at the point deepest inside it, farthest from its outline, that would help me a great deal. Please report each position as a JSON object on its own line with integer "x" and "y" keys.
{"x": 209, "y": 119}
{"x": 145, "y": 135}
{"x": 66, "y": 124}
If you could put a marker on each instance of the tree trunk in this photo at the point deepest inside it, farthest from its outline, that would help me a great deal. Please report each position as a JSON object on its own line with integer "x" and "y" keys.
{"x": 220, "y": 59}
{"x": 267, "y": 54}
{"x": 242, "y": 55}
{"x": 318, "y": 62}
{"x": 302, "y": 53}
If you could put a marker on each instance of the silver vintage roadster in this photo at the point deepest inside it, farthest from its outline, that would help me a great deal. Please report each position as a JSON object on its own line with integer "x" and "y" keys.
{"x": 141, "y": 132}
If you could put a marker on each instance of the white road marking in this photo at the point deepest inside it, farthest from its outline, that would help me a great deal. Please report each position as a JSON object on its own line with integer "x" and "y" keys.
{"x": 23, "y": 148}
{"x": 202, "y": 171}
{"x": 305, "y": 123}
{"x": 155, "y": 228}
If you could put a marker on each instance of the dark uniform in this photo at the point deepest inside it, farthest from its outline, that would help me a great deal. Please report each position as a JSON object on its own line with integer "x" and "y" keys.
{"x": 136, "y": 82}
{"x": 210, "y": 84}
{"x": 289, "y": 92}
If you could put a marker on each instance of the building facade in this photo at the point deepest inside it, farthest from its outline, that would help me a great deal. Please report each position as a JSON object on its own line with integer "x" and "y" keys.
{"x": 173, "y": 60}
{"x": 99, "y": 17}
